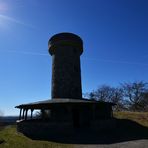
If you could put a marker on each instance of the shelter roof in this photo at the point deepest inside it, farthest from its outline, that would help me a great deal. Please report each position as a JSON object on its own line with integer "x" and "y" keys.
{"x": 52, "y": 102}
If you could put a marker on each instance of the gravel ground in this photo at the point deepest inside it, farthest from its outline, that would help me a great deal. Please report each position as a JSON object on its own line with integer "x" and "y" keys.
{"x": 129, "y": 144}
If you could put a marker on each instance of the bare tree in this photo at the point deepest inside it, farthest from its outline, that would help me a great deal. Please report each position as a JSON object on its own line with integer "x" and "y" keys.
{"x": 43, "y": 114}
{"x": 104, "y": 93}
{"x": 108, "y": 94}
{"x": 144, "y": 101}
{"x": 128, "y": 96}
{"x": 118, "y": 99}
{"x": 134, "y": 94}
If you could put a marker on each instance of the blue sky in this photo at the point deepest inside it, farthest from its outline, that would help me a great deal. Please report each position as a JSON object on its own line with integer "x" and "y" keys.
{"x": 115, "y": 35}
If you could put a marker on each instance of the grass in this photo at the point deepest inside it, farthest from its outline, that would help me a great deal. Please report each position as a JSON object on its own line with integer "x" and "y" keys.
{"x": 12, "y": 139}
{"x": 139, "y": 117}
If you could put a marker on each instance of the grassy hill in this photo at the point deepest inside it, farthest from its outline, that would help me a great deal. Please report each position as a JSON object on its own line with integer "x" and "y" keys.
{"x": 139, "y": 117}
{"x": 9, "y": 138}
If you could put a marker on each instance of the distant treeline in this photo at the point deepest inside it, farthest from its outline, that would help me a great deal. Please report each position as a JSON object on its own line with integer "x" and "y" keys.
{"x": 132, "y": 96}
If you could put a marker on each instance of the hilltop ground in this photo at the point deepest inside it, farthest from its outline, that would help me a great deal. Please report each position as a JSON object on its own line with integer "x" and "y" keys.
{"x": 131, "y": 131}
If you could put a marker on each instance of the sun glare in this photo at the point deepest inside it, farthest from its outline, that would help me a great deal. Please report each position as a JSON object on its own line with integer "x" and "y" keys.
{"x": 3, "y": 7}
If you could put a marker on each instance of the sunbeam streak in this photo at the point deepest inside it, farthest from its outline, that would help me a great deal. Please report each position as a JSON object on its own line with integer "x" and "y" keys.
{"x": 13, "y": 20}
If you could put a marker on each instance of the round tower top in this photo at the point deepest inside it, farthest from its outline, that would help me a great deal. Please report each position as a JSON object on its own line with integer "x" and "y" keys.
{"x": 64, "y": 39}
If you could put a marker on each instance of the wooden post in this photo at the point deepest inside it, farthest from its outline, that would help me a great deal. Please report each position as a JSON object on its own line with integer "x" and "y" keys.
{"x": 43, "y": 114}
{"x": 26, "y": 114}
{"x": 23, "y": 113}
{"x": 32, "y": 112}
{"x": 20, "y": 114}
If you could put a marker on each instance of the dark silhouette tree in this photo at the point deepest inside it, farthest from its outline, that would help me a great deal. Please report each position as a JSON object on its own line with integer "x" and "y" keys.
{"x": 135, "y": 95}
{"x": 108, "y": 94}
{"x": 128, "y": 96}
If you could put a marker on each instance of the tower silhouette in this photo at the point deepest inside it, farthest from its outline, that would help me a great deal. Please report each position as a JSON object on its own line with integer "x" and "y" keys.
{"x": 65, "y": 49}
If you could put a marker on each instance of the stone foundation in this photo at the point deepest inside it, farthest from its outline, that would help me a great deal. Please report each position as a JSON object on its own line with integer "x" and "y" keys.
{"x": 36, "y": 127}
{"x": 47, "y": 128}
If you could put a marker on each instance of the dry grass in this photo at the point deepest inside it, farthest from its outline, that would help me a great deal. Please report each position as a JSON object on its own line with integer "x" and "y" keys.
{"x": 139, "y": 117}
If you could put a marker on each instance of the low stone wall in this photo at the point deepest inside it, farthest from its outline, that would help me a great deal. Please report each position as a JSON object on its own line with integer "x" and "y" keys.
{"x": 33, "y": 128}
{"x": 48, "y": 128}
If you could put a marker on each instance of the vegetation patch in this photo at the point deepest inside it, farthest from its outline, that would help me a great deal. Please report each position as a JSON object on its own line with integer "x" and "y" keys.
{"x": 10, "y": 138}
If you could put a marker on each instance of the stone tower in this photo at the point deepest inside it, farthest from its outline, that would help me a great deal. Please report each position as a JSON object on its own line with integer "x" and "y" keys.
{"x": 65, "y": 49}
{"x": 68, "y": 110}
